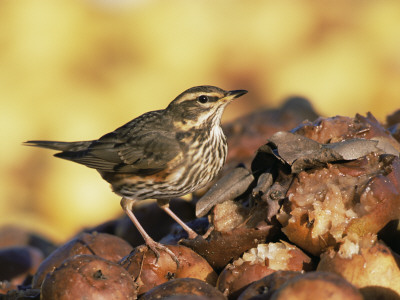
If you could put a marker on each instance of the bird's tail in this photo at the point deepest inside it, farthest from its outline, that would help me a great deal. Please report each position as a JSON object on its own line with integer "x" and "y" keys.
{"x": 61, "y": 146}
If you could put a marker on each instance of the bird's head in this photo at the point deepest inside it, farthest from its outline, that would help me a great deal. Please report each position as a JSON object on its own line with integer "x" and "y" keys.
{"x": 201, "y": 106}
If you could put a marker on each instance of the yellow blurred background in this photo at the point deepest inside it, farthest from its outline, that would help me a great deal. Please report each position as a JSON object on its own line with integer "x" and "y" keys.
{"x": 74, "y": 70}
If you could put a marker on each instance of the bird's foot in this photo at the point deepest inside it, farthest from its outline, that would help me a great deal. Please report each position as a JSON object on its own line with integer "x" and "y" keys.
{"x": 127, "y": 205}
{"x": 208, "y": 232}
{"x": 191, "y": 233}
{"x": 154, "y": 246}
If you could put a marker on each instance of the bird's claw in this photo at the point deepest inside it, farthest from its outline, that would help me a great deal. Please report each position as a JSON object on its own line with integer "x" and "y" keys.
{"x": 157, "y": 246}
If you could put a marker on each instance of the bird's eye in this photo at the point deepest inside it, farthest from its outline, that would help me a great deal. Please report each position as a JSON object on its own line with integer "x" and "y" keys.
{"x": 203, "y": 99}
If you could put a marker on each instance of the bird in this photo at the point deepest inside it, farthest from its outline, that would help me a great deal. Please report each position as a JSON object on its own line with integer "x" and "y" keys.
{"x": 159, "y": 155}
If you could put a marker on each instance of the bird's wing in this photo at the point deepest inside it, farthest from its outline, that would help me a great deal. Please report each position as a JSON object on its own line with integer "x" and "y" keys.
{"x": 147, "y": 150}
{"x": 137, "y": 148}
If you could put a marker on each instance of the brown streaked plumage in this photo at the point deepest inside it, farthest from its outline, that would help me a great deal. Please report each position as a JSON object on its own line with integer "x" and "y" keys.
{"x": 161, "y": 154}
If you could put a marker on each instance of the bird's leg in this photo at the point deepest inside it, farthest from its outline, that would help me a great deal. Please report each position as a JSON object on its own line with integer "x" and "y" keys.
{"x": 127, "y": 205}
{"x": 164, "y": 205}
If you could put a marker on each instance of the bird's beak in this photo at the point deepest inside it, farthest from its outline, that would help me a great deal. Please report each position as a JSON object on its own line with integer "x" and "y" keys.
{"x": 234, "y": 94}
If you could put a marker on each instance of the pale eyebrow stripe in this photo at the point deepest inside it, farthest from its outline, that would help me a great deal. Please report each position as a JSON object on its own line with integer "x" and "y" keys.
{"x": 197, "y": 94}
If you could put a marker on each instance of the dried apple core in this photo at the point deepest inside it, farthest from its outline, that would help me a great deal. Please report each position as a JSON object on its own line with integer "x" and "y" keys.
{"x": 329, "y": 198}
{"x": 275, "y": 255}
{"x": 228, "y": 215}
{"x": 352, "y": 244}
